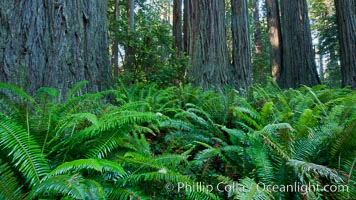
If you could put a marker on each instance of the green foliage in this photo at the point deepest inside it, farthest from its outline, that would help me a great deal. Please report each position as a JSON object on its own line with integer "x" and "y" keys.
{"x": 324, "y": 28}
{"x": 9, "y": 186}
{"x": 25, "y": 153}
{"x": 153, "y": 58}
{"x": 74, "y": 187}
{"x": 144, "y": 137}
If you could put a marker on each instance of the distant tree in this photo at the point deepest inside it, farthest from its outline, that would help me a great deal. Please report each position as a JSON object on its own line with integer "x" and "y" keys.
{"x": 115, "y": 38}
{"x": 54, "y": 44}
{"x": 275, "y": 37}
{"x": 298, "y": 55}
{"x": 205, "y": 43}
{"x": 241, "y": 53}
{"x": 324, "y": 28}
{"x": 346, "y": 18}
{"x": 131, "y": 27}
{"x": 177, "y": 25}
{"x": 257, "y": 24}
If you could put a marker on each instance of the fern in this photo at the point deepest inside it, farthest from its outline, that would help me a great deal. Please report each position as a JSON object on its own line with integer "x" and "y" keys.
{"x": 98, "y": 165}
{"x": 9, "y": 185}
{"x": 266, "y": 112}
{"x": 248, "y": 116}
{"x": 156, "y": 163}
{"x": 204, "y": 195}
{"x": 108, "y": 143}
{"x": 121, "y": 193}
{"x": 76, "y": 89}
{"x": 73, "y": 186}
{"x": 26, "y": 154}
{"x": 265, "y": 170}
{"x": 18, "y": 92}
{"x": 251, "y": 190}
{"x": 314, "y": 169}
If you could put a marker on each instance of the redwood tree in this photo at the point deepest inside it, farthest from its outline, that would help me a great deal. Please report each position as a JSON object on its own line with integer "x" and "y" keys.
{"x": 346, "y": 19}
{"x": 54, "y": 44}
{"x": 241, "y": 71}
{"x": 298, "y": 56}
{"x": 275, "y": 37}
{"x": 129, "y": 53}
{"x": 205, "y": 43}
{"x": 177, "y": 25}
{"x": 257, "y": 27}
{"x": 115, "y": 45}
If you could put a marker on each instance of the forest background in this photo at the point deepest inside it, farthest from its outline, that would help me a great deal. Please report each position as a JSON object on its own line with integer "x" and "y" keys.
{"x": 129, "y": 99}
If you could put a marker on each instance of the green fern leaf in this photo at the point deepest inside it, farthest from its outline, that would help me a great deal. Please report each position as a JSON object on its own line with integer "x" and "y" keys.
{"x": 26, "y": 154}
{"x": 74, "y": 186}
{"x": 9, "y": 186}
{"x": 250, "y": 190}
{"x": 315, "y": 169}
{"x": 16, "y": 91}
{"x": 99, "y": 165}
{"x": 76, "y": 89}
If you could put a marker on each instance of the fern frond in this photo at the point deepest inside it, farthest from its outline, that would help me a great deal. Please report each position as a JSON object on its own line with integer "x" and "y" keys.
{"x": 204, "y": 195}
{"x": 118, "y": 118}
{"x": 318, "y": 102}
{"x": 345, "y": 140}
{"x": 237, "y": 137}
{"x": 266, "y": 111}
{"x": 249, "y": 189}
{"x": 262, "y": 161}
{"x": 9, "y": 186}
{"x": 247, "y": 115}
{"x": 74, "y": 119}
{"x": 18, "y": 92}
{"x": 315, "y": 169}
{"x": 26, "y": 154}
{"x": 121, "y": 193}
{"x": 74, "y": 186}
{"x": 177, "y": 124}
{"x": 271, "y": 129}
{"x": 44, "y": 92}
{"x": 99, "y": 165}
{"x": 157, "y": 163}
{"x": 76, "y": 89}
{"x": 108, "y": 143}
{"x": 267, "y": 133}
{"x": 164, "y": 175}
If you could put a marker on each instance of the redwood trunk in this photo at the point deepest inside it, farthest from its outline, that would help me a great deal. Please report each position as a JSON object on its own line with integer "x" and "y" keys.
{"x": 257, "y": 24}
{"x": 129, "y": 53}
{"x": 346, "y": 18}
{"x": 299, "y": 66}
{"x": 206, "y": 43}
{"x": 241, "y": 53}
{"x": 54, "y": 44}
{"x": 177, "y": 25}
{"x": 275, "y": 37}
{"x": 115, "y": 46}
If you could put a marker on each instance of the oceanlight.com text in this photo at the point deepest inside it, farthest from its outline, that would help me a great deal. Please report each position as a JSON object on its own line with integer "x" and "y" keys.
{"x": 236, "y": 187}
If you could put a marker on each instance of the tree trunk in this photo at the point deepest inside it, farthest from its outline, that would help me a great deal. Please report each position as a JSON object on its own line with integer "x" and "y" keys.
{"x": 257, "y": 24}
{"x": 241, "y": 53}
{"x": 275, "y": 37}
{"x": 54, "y": 44}
{"x": 346, "y": 18}
{"x": 115, "y": 46}
{"x": 206, "y": 43}
{"x": 131, "y": 26}
{"x": 186, "y": 25}
{"x": 321, "y": 66}
{"x": 299, "y": 66}
{"x": 177, "y": 25}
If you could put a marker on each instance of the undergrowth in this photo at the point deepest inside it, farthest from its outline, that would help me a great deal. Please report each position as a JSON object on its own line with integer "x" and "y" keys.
{"x": 144, "y": 142}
